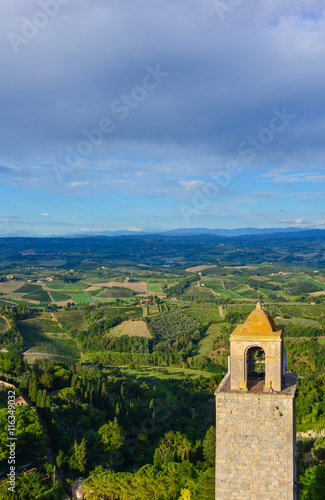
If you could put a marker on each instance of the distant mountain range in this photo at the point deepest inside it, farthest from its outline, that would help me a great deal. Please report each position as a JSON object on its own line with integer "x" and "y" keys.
{"x": 231, "y": 232}
{"x": 198, "y": 231}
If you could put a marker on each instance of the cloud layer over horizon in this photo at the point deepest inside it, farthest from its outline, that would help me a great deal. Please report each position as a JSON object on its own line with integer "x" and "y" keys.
{"x": 137, "y": 102}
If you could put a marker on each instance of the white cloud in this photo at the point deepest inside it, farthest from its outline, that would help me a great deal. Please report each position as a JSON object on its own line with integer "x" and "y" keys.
{"x": 12, "y": 219}
{"x": 304, "y": 223}
{"x": 189, "y": 185}
{"x": 319, "y": 195}
{"x": 78, "y": 183}
{"x": 254, "y": 197}
{"x": 221, "y": 90}
{"x": 280, "y": 175}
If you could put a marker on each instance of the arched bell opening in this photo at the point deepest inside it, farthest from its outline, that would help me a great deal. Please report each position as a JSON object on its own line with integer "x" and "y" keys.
{"x": 255, "y": 358}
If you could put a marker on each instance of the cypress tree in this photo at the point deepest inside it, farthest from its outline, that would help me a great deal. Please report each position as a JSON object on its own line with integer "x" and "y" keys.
{"x": 73, "y": 380}
{"x": 53, "y": 431}
{"x": 33, "y": 395}
{"x": 43, "y": 403}
{"x": 48, "y": 410}
{"x": 30, "y": 387}
{"x": 206, "y": 485}
{"x": 39, "y": 398}
{"x": 104, "y": 398}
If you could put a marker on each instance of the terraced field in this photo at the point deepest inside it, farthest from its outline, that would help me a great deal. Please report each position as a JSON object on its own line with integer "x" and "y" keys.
{"x": 71, "y": 319}
{"x": 202, "y": 315}
{"x": 298, "y": 321}
{"x": 45, "y": 338}
{"x": 131, "y": 328}
{"x": 196, "y": 290}
{"x": 305, "y": 311}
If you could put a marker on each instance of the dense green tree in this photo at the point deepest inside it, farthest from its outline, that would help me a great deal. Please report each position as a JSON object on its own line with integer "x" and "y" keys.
{"x": 60, "y": 458}
{"x": 171, "y": 482}
{"x": 174, "y": 446}
{"x": 27, "y": 487}
{"x": 39, "y": 398}
{"x": 209, "y": 446}
{"x": 185, "y": 494}
{"x": 69, "y": 395}
{"x": 313, "y": 483}
{"x": 30, "y": 387}
{"x": 318, "y": 450}
{"x": 28, "y": 431}
{"x": 205, "y": 485}
{"x": 112, "y": 435}
{"x": 33, "y": 395}
{"x": 78, "y": 458}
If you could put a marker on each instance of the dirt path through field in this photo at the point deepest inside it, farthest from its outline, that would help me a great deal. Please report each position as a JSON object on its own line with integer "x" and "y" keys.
{"x": 222, "y": 316}
{"x": 6, "y": 320}
{"x": 49, "y": 292}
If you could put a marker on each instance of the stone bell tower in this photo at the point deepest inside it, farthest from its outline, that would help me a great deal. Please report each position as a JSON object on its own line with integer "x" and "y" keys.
{"x": 256, "y": 416}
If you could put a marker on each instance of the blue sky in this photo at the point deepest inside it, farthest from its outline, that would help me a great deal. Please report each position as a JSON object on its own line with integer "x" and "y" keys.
{"x": 158, "y": 114}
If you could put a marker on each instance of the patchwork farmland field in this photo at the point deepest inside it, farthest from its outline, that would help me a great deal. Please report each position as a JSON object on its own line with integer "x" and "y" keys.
{"x": 29, "y": 288}
{"x": 315, "y": 282}
{"x": 154, "y": 287}
{"x": 10, "y": 286}
{"x": 95, "y": 292}
{"x": 115, "y": 293}
{"x": 63, "y": 286}
{"x": 81, "y": 298}
{"x": 40, "y": 295}
{"x": 205, "y": 345}
{"x": 57, "y": 296}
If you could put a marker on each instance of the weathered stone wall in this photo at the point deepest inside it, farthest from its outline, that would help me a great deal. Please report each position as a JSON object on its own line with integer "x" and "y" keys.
{"x": 255, "y": 445}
